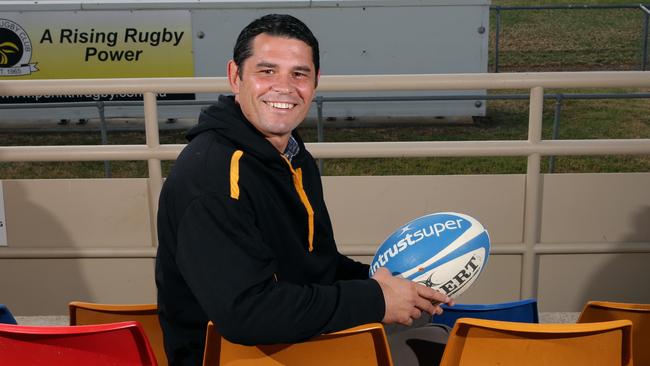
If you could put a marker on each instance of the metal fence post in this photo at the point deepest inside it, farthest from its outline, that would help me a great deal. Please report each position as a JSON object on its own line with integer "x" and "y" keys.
{"x": 104, "y": 134}
{"x": 533, "y": 198}
{"x": 556, "y": 129}
{"x": 497, "y": 30}
{"x": 320, "y": 133}
{"x": 644, "y": 54}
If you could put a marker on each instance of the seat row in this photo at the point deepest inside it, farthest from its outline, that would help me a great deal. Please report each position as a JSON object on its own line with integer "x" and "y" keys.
{"x": 505, "y": 333}
{"x": 99, "y": 329}
{"x": 606, "y": 334}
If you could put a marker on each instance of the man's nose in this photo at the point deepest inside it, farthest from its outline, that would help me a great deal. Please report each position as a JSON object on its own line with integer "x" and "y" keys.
{"x": 283, "y": 83}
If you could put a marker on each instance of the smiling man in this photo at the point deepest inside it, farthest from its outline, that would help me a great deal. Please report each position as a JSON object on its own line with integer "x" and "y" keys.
{"x": 245, "y": 239}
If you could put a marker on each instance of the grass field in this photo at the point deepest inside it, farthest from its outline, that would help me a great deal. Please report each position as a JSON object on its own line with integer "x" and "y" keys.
{"x": 567, "y": 39}
{"x": 544, "y": 40}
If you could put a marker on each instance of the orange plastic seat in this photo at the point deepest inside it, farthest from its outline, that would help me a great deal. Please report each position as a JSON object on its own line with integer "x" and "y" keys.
{"x": 639, "y": 314}
{"x": 99, "y": 345}
{"x": 84, "y": 313}
{"x": 359, "y": 346}
{"x": 478, "y": 342}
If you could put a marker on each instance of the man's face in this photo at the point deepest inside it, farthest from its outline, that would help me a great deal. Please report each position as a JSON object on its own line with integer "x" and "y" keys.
{"x": 277, "y": 85}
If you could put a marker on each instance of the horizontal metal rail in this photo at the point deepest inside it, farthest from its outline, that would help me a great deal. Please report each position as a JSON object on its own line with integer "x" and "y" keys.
{"x": 356, "y": 249}
{"x": 567, "y": 7}
{"x": 338, "y": 83}
{"x": 59, "y": 253}
{"x": 329, "y": 99}
{"x": 331, "y": 150}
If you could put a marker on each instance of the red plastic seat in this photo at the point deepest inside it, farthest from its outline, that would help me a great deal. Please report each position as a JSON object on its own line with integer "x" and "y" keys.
{"x": 86, "y": 313}
{"x": 121, "y": 343}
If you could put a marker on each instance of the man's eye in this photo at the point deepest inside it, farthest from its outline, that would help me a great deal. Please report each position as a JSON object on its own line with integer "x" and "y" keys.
{"x": 267, "y": 71}
{"x": 299, "y": 75}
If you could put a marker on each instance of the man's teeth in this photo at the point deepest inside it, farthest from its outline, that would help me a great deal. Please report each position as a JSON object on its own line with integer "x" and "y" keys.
{"x": 281, "y": 105}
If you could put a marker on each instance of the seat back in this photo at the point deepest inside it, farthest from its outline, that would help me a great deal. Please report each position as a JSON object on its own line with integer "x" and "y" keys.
{"x": 639, "y": 314}
{"x": 84, "y": 313}
{"x": 359, "y": 346}
{"x": 98, "y": 345}
{"x": 5, "y": 315}
{"x": 492, "y": 342}
{"x": 517, "y": 311}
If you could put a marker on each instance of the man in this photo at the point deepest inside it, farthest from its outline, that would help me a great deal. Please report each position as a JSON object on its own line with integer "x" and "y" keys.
{"x": 245, "y": 239}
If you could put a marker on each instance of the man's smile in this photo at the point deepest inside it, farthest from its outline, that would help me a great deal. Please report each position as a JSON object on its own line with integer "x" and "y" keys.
{"x": 281, "y": 105}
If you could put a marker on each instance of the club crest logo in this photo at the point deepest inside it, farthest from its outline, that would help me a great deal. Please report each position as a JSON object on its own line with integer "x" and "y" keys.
{"x": 15, "y": 50}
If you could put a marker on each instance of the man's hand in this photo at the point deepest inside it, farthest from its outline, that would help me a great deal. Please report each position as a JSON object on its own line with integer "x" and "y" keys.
{"x": 406, "y": 300}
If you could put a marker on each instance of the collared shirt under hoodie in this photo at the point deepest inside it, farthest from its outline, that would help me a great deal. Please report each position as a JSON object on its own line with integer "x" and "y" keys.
{"x": 245, "y": 240}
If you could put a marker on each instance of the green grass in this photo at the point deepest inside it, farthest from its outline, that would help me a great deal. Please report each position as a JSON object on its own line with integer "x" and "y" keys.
{"x": 507, "y": 120}
{"x": 567, "y": 40}
{"x": 544, "y": 40}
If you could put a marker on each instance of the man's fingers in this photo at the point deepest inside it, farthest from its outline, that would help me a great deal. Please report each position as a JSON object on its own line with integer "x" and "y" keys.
{"x": 416, "y": 313}
{"x": 433, "y": 295}
{"x": 426, "y": 305}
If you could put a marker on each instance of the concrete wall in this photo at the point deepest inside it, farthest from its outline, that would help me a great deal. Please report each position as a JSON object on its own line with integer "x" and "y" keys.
{"x": 90, "y": 239}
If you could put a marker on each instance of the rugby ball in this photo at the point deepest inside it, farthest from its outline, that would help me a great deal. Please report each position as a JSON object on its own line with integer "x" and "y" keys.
{"x": 446, "y": 251}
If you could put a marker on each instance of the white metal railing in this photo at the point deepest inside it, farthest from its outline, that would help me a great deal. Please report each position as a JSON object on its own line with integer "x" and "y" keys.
{"x": 533, "y": 148}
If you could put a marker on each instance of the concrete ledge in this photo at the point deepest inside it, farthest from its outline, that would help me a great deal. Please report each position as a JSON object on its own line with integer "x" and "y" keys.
{"x": 63, "y": 319}
{"x": 558, "y": 317}
{"x": 43, "y": 320}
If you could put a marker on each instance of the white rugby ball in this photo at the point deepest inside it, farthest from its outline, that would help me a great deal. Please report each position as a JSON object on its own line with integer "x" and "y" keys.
{"x": 446, "y": 251}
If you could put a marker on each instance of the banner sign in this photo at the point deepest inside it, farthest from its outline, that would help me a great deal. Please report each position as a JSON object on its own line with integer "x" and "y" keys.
{"x": 94, "y": 44}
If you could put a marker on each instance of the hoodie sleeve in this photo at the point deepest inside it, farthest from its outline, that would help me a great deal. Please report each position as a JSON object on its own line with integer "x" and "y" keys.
{"x": 231, "y": 272}
{"x": 351, "y": 269}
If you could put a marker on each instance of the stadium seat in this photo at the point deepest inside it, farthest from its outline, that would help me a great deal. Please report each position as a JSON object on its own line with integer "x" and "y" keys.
{"x": 524, "y": 311}
{"x": 5, "y": 315}
{"x": 359, "y": 346}
{"x": 639, "y": 314}
{"x": 98, "y": 345}
{"x": 492, "y": 342}
{"x": 84, "y": 313}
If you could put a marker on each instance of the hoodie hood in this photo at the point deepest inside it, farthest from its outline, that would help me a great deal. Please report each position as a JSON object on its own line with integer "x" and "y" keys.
{"x": 226, "y": 119}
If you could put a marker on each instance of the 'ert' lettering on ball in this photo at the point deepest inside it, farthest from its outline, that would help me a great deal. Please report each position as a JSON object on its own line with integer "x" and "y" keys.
{"x": 460, "y": 279}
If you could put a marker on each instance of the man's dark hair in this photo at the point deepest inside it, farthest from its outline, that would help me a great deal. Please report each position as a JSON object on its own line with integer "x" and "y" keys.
{"x": 282, "y": 25}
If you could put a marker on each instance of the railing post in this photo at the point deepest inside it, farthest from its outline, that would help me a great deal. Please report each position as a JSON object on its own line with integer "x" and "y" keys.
{"x": 319, "y": 129}
{"x": 104, "y": 133}
{"x": 496, "y": 37}
{"x": 154, "y": 183}
{"x": 556, "y": 128}
{"x": 533, "y": 197}
{"x": 644, "y": 52}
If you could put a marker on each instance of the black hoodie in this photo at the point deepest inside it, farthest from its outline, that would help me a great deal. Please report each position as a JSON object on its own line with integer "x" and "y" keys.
{"x": 245, "y": 240}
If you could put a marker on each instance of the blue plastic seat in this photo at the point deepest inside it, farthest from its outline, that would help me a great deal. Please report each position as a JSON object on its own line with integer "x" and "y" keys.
{"x": 5, "y": 315}
{"x": 523, "y": 311}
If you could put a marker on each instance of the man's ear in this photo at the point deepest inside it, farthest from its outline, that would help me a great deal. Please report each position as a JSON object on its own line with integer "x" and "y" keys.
{"x": 317, "y": 79}
{"x": 233, "y": 76}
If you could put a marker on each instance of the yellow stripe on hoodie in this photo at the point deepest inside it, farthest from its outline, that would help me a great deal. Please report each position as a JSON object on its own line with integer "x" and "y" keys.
{"x": 234, "y": 174}
{"x": 297, "y": 182}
